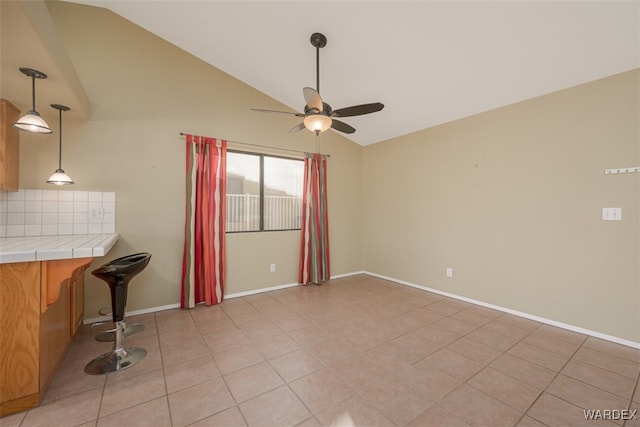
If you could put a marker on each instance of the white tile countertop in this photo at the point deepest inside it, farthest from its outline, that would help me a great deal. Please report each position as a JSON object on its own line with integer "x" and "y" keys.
{"x": 41, "y": 248}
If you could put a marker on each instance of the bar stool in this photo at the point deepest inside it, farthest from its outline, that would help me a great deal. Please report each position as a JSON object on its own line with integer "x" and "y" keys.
{"x": 117, "y": 275}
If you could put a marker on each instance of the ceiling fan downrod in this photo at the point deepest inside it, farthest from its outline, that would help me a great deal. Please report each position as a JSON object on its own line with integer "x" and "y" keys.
{"x": 318, "y": 40}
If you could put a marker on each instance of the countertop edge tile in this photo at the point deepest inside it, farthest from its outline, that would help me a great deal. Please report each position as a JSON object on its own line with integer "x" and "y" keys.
{"x": 17, "y": 256}
{"x": 53, "y": 254}
{"x": 106, "y": 246}
{"x": 82, "y": 252}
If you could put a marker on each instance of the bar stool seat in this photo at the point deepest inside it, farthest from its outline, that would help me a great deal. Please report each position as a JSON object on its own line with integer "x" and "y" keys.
{"x": 117, "y": 274}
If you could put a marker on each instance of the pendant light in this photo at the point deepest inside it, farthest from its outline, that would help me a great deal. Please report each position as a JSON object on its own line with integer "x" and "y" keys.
{"x": 59, "y": 177}
{"x": 32, "y": 122}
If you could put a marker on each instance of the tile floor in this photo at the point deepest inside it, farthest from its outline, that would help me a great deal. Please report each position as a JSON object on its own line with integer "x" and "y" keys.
{"x": 356, "y": 351}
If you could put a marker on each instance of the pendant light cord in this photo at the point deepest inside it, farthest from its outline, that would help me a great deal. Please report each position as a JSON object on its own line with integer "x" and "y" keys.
{"x": 60, "y": 139}
{"x": 33, "y": 93}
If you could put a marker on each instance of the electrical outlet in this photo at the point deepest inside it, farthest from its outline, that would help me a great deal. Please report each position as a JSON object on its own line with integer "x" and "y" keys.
{"x": 96, "y": 213}
{"x": 273, "y": 268}
{"x": 449, "y": 272}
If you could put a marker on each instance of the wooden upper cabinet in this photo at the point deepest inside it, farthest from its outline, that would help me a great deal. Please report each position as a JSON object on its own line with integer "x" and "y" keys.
{"x": 9, "y": 146}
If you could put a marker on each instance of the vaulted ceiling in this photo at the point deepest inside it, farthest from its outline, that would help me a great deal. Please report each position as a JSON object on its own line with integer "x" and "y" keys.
{"x": 429, "y": 62}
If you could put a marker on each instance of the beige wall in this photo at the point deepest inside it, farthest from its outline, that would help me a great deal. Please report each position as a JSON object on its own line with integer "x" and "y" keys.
{"x": 144, "y": 91}
{"x": 511, "y": 199}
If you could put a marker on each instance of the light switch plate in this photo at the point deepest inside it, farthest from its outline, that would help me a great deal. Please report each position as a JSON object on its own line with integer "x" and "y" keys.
{"x": 612, "y": 214}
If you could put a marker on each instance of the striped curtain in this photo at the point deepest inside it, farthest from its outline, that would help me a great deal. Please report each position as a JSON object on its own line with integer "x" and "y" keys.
{"x": 314, "y": 264}
{"x": 204, "y": 256}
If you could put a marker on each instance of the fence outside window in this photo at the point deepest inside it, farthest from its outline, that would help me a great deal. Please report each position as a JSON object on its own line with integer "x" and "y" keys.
{"x": 280, "y": 212}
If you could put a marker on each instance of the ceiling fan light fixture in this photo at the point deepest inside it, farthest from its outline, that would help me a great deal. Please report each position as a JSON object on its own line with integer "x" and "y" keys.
{"x": 32, "y": 121}
{"x": 317, "y": 122}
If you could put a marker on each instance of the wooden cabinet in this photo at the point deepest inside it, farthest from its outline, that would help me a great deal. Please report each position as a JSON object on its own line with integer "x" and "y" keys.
{"x": 77, "y": 302}
{"x": 41, "y": 307}
{"x": 9, "y": 146}
{"x": 20, "y": 334}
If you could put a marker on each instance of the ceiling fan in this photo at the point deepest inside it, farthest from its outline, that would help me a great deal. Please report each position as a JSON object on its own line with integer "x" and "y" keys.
{"x": 318, "y": 115}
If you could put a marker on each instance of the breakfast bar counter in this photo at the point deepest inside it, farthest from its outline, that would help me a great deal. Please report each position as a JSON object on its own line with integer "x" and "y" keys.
{"x": 41, "y": 248}
{"x": 42, "y": 306}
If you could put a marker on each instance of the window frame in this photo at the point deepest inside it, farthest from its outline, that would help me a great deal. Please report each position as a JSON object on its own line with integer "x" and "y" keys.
{"x": 261, "y": 157}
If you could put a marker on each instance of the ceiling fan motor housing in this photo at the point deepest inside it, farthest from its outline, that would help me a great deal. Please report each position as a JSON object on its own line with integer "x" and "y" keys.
{"x": 326, "y": 108}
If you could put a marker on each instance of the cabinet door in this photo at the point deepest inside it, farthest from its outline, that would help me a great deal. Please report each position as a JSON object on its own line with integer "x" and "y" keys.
{"x": 55, "y": 335}
{"x": 9, "y": 146}
{"x": 77, "y": 302}
{"x": 20, "y": 331}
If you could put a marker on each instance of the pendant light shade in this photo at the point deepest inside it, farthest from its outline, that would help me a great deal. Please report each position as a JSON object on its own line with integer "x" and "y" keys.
{"x": 59, "y": 177}
{"x": 32, "y": 121}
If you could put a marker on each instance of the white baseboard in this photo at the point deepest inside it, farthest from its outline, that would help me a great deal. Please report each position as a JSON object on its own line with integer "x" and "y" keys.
{"x": 132, "y": 313}
{"x": 353, "y": 273}
{"x": 259, "y": 291}
{"x": 573, "y": 328}
{"x": 228, "y": 296}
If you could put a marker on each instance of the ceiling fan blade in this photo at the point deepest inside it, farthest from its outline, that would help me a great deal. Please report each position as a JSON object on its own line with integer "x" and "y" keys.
{"x": 312, "y": 97}
{"x": 297, "y": 128}
{"x": 260, "y": 110}
{"x": 357, "y": 110}
{"x": 342, "y": 126}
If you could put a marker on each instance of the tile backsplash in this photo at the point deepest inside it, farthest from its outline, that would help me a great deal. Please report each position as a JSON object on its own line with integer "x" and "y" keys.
{"x": 56, "y": 212}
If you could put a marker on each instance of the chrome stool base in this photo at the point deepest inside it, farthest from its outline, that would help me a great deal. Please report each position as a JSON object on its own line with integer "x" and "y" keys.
{"x": 118, "y": 358}
{"x": 115, "y": 361}
{"x": 128, "y": 331}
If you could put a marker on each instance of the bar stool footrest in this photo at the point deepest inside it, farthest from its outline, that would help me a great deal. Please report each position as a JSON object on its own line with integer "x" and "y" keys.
{"x": 103, "y": 331}
{"x": 105, "y": 311}
{"x": 129, "y": 331}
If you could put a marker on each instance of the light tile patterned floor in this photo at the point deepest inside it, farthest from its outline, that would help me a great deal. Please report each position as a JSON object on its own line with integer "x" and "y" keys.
{"x": 356, "y": 351}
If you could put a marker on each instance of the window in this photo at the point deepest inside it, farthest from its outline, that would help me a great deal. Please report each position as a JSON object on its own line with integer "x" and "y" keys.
{"x": 264, "y": 193}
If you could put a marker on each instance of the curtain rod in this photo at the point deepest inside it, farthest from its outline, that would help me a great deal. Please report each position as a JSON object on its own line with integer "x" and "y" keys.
{"x": 262, "y": 146}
